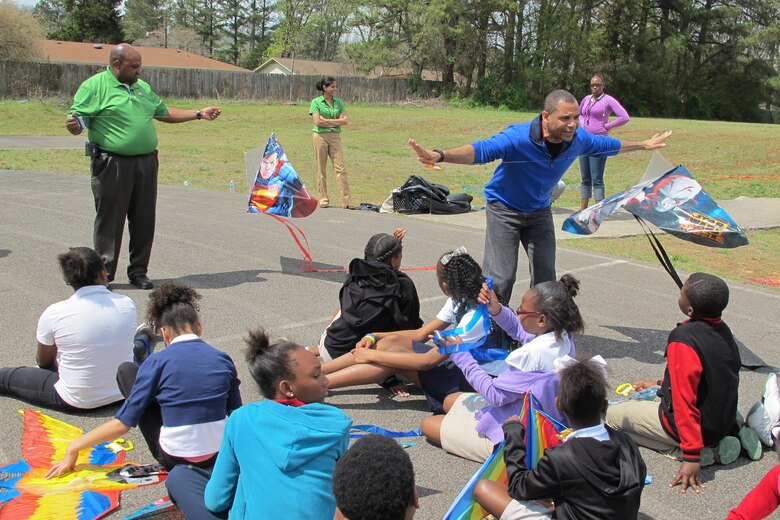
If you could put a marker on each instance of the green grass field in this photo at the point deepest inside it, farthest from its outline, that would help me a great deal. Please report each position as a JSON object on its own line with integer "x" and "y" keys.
{"x": 728, "y": 159}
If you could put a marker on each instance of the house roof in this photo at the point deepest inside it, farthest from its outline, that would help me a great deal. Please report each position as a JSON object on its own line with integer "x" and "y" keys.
{"x": 311, "y": 68}
{"x": 332, "y": 68}
{"x": 76, "y": 52}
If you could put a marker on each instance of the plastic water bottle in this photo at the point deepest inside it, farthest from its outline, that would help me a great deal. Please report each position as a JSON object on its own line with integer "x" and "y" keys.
{"x": 232, "y": 187}
{"x": 186, "y": 184}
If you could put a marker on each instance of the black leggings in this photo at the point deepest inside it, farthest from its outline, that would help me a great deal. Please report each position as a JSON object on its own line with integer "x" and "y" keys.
{"x": 151, "y": 422}
{"x": 34, "y": 385}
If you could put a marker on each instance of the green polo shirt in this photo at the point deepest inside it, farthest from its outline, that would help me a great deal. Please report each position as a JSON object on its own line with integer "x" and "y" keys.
{"x": 320, "y": 106}
{"x": 120, "y": 117}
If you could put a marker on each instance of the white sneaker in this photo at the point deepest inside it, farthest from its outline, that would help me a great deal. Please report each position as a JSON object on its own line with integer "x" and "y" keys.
{"x": 772, "y": 397}
{"x": 761, "y": 422}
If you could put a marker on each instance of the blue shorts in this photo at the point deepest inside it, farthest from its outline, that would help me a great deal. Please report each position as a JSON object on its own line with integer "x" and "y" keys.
{"x": 441, "y": 381}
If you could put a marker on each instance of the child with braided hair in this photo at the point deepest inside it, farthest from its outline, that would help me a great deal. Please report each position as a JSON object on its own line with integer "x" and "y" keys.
{"x": 376, "y": 296}
{"x": 380, "y": 355}
{"x": 544, "y": 322}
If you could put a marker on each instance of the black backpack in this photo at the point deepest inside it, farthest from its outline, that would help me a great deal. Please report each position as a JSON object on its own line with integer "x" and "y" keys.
{"x": 417, "y": 195}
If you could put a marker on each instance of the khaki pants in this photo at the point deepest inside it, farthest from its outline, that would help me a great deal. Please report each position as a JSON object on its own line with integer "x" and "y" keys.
{"x": 640, "y": 420}
{"x": 328, "y": 144}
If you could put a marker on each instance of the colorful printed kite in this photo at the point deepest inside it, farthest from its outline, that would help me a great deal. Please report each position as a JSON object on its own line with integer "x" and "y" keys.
{"x": 674, "y": 202}
{"x": 541, "y": 432}
{"x": 275, "y": 187}
{"x": 89, "y": 492}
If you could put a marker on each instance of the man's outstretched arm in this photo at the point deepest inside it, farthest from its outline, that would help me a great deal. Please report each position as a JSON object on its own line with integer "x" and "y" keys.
{"x": 654, "y": 143}
{"x": 460, "y": 155}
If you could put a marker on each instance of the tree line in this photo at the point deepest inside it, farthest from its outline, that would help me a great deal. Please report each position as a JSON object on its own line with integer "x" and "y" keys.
{"x": 704, "y": 59}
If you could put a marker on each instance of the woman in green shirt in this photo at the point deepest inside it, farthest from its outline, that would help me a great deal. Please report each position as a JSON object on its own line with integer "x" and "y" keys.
{"x": 329, "y": 115}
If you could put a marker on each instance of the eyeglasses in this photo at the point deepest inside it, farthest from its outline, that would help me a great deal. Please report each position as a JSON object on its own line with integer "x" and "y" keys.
{"x": 449, "y": 256}
{"x": 593, "y": 85}
{"x": 521, "y": 312}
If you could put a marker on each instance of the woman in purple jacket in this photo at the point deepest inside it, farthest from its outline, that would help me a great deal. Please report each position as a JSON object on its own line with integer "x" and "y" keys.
{"x": 595, "y": 110}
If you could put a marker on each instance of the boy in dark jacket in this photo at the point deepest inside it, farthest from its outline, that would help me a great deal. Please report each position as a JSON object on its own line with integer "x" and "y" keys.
{"x": 698, "y": 395}
{"x": 596, "y": 473}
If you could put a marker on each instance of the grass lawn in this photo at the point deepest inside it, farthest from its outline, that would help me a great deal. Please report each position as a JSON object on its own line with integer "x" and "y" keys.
{"x": 728, "y": 159}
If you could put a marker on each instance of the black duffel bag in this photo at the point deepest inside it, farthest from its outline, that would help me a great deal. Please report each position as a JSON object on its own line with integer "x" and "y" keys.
{"x": 417, "y": 195}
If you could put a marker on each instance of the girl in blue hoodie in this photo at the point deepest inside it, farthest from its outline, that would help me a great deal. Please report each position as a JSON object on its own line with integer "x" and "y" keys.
{"x": 284, "y": 446}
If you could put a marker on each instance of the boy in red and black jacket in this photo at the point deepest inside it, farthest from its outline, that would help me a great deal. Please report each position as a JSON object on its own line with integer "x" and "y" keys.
{"x": 698, "y": 395}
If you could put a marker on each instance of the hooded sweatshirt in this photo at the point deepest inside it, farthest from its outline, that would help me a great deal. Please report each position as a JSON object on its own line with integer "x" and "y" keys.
{"x": 374, "y": 298}
{"x": 587, "y": 479}
{"x": 277, "y": 461}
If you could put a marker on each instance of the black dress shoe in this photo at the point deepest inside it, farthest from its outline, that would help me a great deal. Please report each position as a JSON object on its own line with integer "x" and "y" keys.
{"x": 142, "y": 282}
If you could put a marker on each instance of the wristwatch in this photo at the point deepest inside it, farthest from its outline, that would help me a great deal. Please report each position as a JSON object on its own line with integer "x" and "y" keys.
{"x": 441, "y": 154}
{"x": 198, "y": 115}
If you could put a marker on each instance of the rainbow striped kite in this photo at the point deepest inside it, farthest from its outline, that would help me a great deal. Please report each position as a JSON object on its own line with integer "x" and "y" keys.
{"x": 541, "y": 432}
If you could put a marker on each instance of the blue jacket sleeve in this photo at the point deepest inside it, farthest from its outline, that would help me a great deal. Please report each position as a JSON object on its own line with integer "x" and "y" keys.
{"x": 494, "y": 148}
{"x": 234, "y": 394}
{"x": 221, "y": 489}
{"x": 599, "y": 145}
{"x": 144, "y": 390}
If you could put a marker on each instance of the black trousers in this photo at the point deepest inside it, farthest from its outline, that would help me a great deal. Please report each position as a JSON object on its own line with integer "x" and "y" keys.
{"x": 151, "y": 422}
{"x": 125, "y": 188}
{"x": 35, "y": 386}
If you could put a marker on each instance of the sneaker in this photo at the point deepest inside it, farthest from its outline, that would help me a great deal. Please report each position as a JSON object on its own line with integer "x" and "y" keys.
{"x": 759, "y": 421}
{"x": 728, "y": 450}
{"x": 144, "y": 341}
{"x": 772, "y": 397}
{"x": 751, "y": 445}
{"x": 707, "y": 457}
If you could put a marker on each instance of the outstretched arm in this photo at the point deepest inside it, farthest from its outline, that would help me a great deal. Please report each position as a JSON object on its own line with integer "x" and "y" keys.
{"x": 422, "y": 334}
{"x": 460, "y": 155}
{"x": 654, "y": 143}
{"x": 105, "y": 432}
{"x": 178, "y": 115}
{"x": 400, "y": 360}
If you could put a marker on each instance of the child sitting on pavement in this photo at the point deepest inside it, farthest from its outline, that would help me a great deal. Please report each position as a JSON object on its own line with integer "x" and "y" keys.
{"x": 544, "y": 323}
{"x": 383, "y": 354}
{"x": 698, "y": 394}
{"x": 278, "y": 455}
{"x": 596, "y": 473}
{"x": 376, "y": 297}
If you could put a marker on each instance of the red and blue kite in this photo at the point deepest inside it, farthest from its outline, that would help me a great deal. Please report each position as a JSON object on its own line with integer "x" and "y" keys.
{"x": 275, "y": 188}
{"x": 89, "y": 492}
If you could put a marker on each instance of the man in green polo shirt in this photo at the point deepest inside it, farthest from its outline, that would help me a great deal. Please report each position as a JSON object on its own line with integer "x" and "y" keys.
{"x": 119, "y": 110}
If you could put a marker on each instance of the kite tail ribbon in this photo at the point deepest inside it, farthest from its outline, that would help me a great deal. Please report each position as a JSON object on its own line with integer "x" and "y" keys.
{"x": 660, "y": 252}
{"x": 360, "y": 430}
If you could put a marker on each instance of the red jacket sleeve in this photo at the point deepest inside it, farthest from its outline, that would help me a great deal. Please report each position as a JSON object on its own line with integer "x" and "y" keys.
{"x": 762, "y": 499}
{"x": 685, "y": 374}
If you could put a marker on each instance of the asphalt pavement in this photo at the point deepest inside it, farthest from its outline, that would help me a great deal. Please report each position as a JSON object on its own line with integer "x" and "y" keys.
{"x": 249, "y": 272}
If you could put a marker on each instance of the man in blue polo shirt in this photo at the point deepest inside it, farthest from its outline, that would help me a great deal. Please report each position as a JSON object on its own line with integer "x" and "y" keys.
{"x": 534, "y": 156}
{"x": 119, "y": 110}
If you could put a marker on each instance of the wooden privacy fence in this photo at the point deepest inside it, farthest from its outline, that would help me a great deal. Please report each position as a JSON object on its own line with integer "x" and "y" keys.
{"x": 32, "y": 79}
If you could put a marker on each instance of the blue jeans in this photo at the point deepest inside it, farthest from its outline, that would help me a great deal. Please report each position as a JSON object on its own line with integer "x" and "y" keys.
{"x": 506, "y": 230}
{"x": 592, "y": 174}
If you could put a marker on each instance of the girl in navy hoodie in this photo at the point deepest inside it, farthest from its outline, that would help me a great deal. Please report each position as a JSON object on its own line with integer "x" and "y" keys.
{"x": 284, "y": 446}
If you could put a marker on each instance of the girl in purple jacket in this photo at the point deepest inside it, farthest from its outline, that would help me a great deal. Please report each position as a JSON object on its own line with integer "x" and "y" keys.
{"x": 595, "y": 110}
{"x": 544, "y": 323}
